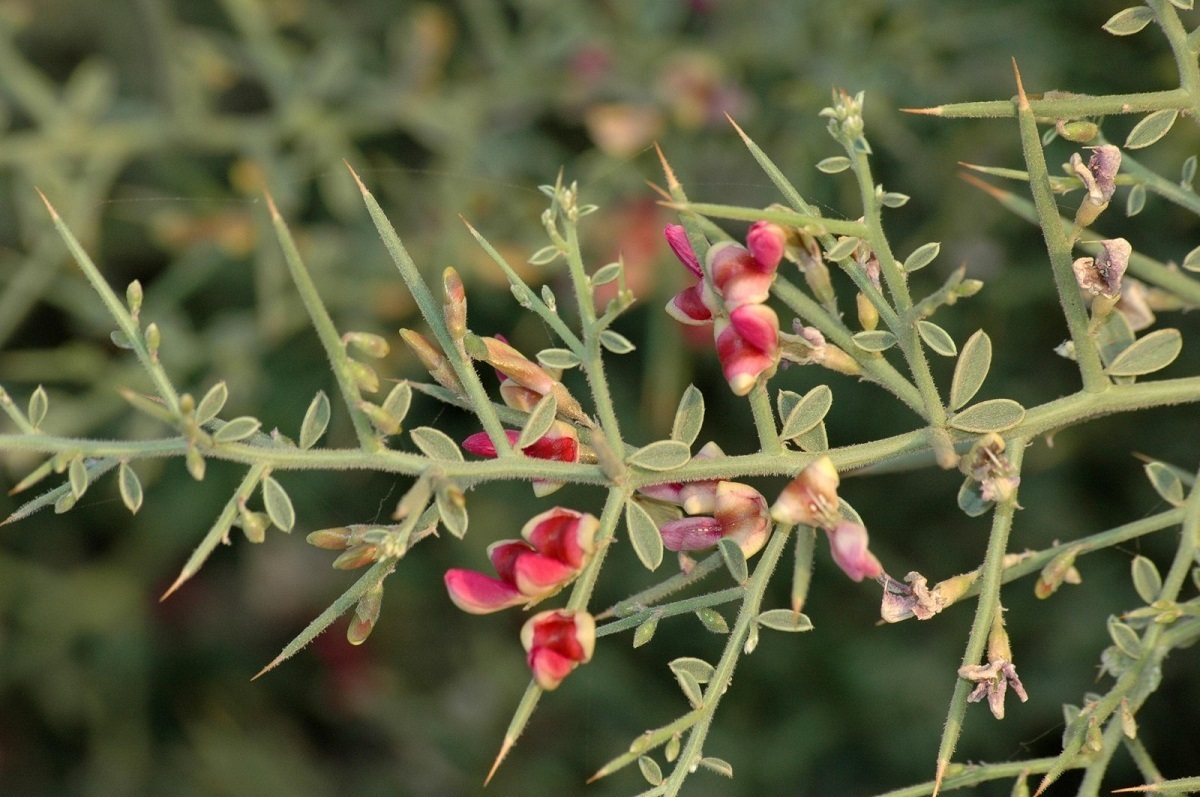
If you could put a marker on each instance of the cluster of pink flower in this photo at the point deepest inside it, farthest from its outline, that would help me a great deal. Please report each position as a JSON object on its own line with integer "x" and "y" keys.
{"x": 718, "y": 509}
{"x": 732, "y": 298}
{"x": 555, "y": 546}
{"x": 811, "y": 499}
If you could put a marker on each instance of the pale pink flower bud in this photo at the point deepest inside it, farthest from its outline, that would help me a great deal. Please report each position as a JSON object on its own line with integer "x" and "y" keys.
{"x": 848, "y": 544}
{"x": 766, "y": 241}
{"x": 738, "y": 276}
{"x": 811, "y": 498}
{"x": 557, "y": 642}
{"x": 678, "y": 241}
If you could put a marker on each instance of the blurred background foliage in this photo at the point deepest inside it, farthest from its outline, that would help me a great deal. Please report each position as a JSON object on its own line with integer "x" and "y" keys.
{"x": 154, "y": 126}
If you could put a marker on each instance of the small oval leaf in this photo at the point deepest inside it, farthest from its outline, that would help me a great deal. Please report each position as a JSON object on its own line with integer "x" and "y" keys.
{"x": 213, "y": 402}
{"x": 1149, "y": 354}
{"x": 130, "y": 487}
{"x": 699, "y": 669}
{"x": 1191, "y": 262}
{"x": 834, "y": 165}
{"x": 316, "y": 420}
{"x": 661, "y": 455}
{"x": 435, "y": 444}
{"x": 806, "y": 413}
{"x": 971, "y": 500}
{"x": 562, "y": 359}
{"x": 1136, "y": 200}
{"x": 1166, "y": 482}
{"x": 735, "y": 560}
{"x": 645, "y": 632}
{"x": 398, "y": 400}
{"x": 1146, "y": 579}
{"x": 237, "y": 429}
{"x": 1151, "y": 129}
{"x": 691, "y": 689}
{"x": 650, "y": 770}
{"x": 994, "y": 415}
{"x": 937, "y": 338}
{"x": 875, "y": 341}
{"x": 843, "y": 248}
{"x": 39, "y": 403}
{"x": 922, "y": 256}
{"x": 606, "y": 274}
{"x": 713, "y": 620}
{"x": 1129, "y": 21}
{"x": 278, "y": 504}
{"x": 689, "y": 416}
{"x": 894, "y": 199}
{"x": 971, "y": 370}
{"x": 452, "y": 509}
{"x": 1125, "y": 638}
{"x": 616, "y": 342}
{"x": 541, "y": 418}
{"x": 77, "y": 475}
{"x": 784, "y": 620}
{"x": 643, "y": 535}
{"x": 815, "y": 439}
{"x": 718, "y": 765}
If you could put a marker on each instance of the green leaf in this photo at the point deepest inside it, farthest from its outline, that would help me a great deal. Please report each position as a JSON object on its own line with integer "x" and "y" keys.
{"x": 130, "y": 487}
{"x": 1114, "y": 336}
{"x": 1186, "y": 5}
{"x": 39, "y": 403}
{"x": 971, "y": 370}
{"x": 237, "y": 429}
{"x": 735, "y": 560}
{"x": 994, "y": 415}
{"x": 874, "y": 341}
{"x": 615, "y": 342}
{"x": 541, "y": 418}
{"x": 691, "y": 689}
{"x": 452, "y": 509}
{"x": 1166, "y": 482}
{"x": 316, "y": 419}
{"x": 894, "y": 199}
{"x": 435, "y": 444}
{"x": 849, "y": 513}
{"x": 398, "y": 400}
{"x": 1136, "y": 200}
{"x": 1146, "y": 579}
{"x": 1149, "y": 354}
{"x": 805, "y": 413}
{"x": 65, "y": 503}
{"x": 606, "y": 274}
{"x": 1187, "y": 175}
{"x": 689, "y": 416}
{"x": 193, "y": 460}
{"x": 922, "y": 256}
{"x": 120, "y": 340}
{"x": 970, "y": 499}
{"x": 1191, "y": 262}
{"x": 643, "y": 535}
{"x": 700, "y": 670}
{"x": 278, "y": 505}
{"x": 843, "y": 248}
{"x": 1129, "y": 21}
{"x": 650, "y": 770}
{"x": 834, "y": 165}
{"x": 937, "y": 338}
{"x": 661, "y": 455}
{"x": 561, "y": 359}
{"x": 213, "y": 402}
{"x": 545, "y": 255}
{"x": 712, "y": 620}
{"x": 77, "y": 476}
{"x": 718, "y": 765}
{"x": 645, "y": 632}
{"x": 1152, "y": 128}
{"x": 1125, "y": 638}
{"x": 815, "y": 439}
{"x": 784, "y": 620}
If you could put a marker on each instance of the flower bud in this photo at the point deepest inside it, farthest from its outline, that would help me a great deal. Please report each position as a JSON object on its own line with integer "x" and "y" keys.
{"x": 514, "y": 365}
{"x": 153, "y": 338}
{"x": 366, "y": 613}
{"x": 367, "y": 343}
{"x": 766, "y": 241}
{"x": 848, "y": 544}
{"x": 437, "y": 365}
{"x": 557, "y": 642}
{"x": 868, "y": 314}
{"x": 456, "y": 304}
{"x": 133, "y": 298}
{"x": 356, "y": 556}
{"x": 811, "y": 498}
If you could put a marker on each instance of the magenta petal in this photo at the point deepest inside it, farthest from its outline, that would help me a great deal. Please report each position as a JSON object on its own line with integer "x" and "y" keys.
{"x": 766, "y": 242}
{"x": 476, "y": 593}
{"x": 848, "y": 544}
{"x": 757, "y": 325}
{"x": 481, "y": 445}
{"x": 549, "y": 667}
{"x": 690, "y": 533}
{"x": 678, "y": 241}
{"x": 667, "y": 491}
{"x": 538, "y": 576}
{"x": 688, "y": 306}
{"x": 503, "y": 555}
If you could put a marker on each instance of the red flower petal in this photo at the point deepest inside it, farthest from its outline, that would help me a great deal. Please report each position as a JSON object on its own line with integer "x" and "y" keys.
{"x": 678, "y": 241}
{"x": 538, "y": 576}
{"x": 476, "y": 593}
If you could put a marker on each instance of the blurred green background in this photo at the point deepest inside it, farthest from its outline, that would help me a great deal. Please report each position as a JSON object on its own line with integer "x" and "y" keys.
{"x": 153, "y": 126}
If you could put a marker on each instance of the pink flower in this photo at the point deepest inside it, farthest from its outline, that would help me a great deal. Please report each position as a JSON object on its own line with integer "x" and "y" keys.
{"x": 557, "y": 642}
{"x": 739, "y": 513}
{"x": 696, "y": 497}
{"x": 848, "y": 544}
{"x": 560, "y": 444}
{"x": 687, "y": 306}
{"x": 738, "y": 276}
{"x": 811, "y": 498}
{"x": 766, "y": 241}
{"x": 748, "y": 346}
{"x": 557, "y": 545}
